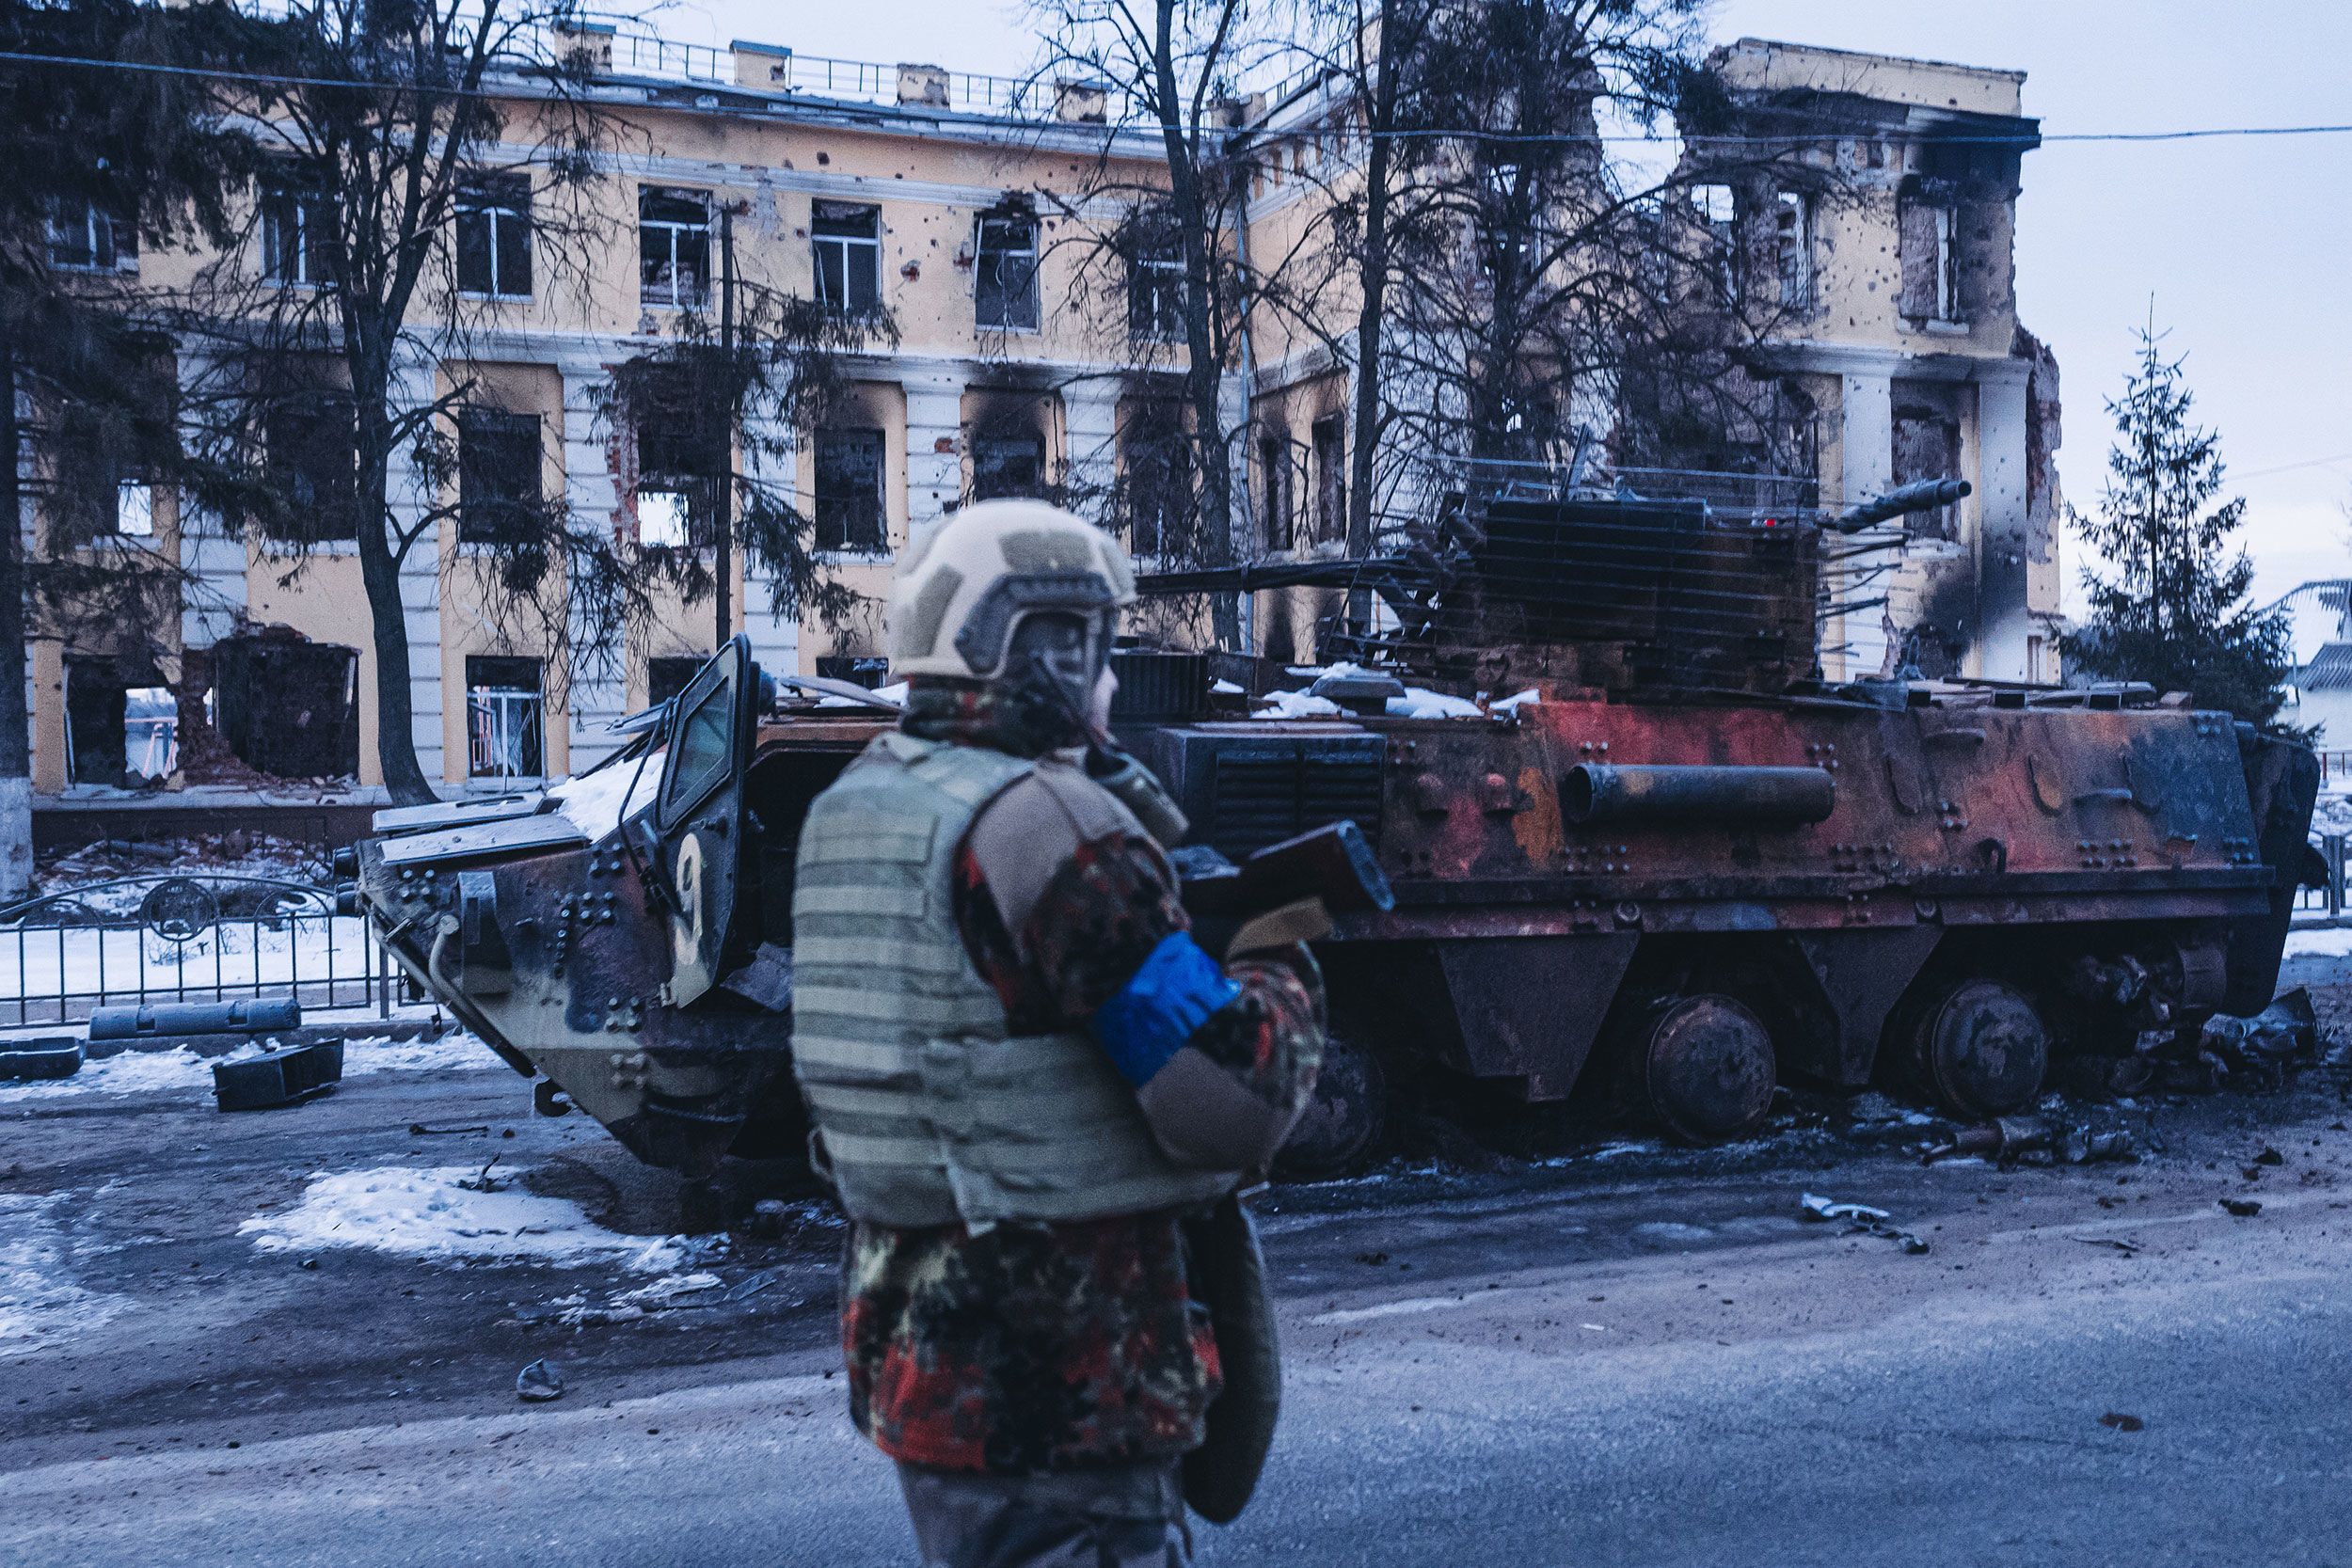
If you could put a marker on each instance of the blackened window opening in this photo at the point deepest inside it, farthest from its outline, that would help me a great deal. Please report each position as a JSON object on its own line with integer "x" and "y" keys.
{"x": 494, "y": 236}
{"x": 498, "y": 484}
{"x": 849, "y": 490}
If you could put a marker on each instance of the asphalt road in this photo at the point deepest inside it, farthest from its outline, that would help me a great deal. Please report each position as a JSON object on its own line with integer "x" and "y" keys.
{"x": 1626, "y": 1357}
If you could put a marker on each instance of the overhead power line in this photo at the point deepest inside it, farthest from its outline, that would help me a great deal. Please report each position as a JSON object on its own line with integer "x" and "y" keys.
{"x": 1825, "y": 130}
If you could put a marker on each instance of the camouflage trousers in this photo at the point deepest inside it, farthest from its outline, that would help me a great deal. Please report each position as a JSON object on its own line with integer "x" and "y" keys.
{"x": 1120, "y": 1516}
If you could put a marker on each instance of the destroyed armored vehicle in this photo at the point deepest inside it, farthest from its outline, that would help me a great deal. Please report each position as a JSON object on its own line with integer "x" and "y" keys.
{"x": 1676, "y": 869}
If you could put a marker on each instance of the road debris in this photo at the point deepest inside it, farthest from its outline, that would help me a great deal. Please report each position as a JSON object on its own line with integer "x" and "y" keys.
{"x": 276, "y": 1078}
{"x": 2244, "y": 1208}
{"x": 2126, "y": 1248}
{"x": 538, "y": 1383}
{"x": 1860, "y": 1218}
{"x": 2034, "y": 1140}
{"x": 2118, "y": 1421}
{"x": 419, "y": 1130}
{"x": 484, "y": 1183}
{"x": 49, "y": 1056}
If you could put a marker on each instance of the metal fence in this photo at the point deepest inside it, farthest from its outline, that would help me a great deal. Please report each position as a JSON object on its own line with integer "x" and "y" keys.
{"x": 186, "y": 937}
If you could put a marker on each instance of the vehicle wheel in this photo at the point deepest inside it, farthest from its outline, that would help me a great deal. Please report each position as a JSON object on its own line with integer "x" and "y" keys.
{"x": 1706, "y": 1066}
{"x": 1342, "y": 1123}
{"x": 1981, "y": 1050}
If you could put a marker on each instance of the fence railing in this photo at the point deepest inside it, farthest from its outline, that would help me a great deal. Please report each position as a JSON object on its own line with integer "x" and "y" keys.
{"x": 186, "y": 937}
{"x": 2335, "y": 766}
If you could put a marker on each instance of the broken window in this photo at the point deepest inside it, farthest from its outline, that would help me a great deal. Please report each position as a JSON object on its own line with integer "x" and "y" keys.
{"x": 120, "y": 732}
{"x": 673, "y": 246}
{"x": 494, "y": 236}
{"x": 1717, "y": 209}
{"x": 499, "y": 490}
{"x": 506, "y": 717}
{"x": 680, "y": 466}
{"x": 85, "y": 237}
{"x": 848, "y": 241}
{"x": 287, "y": 707}
{"x": 312, "y": 468}
{"x": 1004, "y": 287}
{"x": 1330, "y": 480}
{"x": 1927, "y": 446}
{"x": 297, "y": 232}
{"x": 1156, "y": 473}
{"x": 1792, "y": 243}
{"x": 1927, "y": 222}
{"x": 135, "y": 508}
{"x": 1155, "y": 286}
{"x": 666, "y": 675}
{"x": 1008, "y": 465}
{"x": 1274, "y": 468}
{"x": 849, "y": 490}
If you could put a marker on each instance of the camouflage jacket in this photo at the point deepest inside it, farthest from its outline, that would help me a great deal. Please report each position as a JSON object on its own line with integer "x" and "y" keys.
{"x": 1061, "y": 1346}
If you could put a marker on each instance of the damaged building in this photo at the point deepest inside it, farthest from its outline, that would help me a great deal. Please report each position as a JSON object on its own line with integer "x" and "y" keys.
{"x": 915, "y": 191}
{"x": 1904, "y": 340}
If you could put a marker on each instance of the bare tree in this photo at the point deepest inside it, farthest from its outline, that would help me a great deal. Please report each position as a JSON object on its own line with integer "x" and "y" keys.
{"x": 1177, "y": 63}
{"x": 398, "y": 131}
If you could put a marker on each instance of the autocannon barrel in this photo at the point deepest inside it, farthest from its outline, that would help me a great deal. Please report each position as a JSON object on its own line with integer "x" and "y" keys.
{"x": 1594, "y": 792}
{"x": 1922, "y": 496}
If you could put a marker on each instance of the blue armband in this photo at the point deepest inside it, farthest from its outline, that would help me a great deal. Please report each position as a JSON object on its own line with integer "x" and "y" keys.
{"x": 1156, "y": 1012}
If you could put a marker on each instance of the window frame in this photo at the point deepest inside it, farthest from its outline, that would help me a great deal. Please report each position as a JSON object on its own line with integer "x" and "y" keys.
{"x": 674, "y": 229}
{"x": 988, "y": 452}
{"x": 475, "y": 515}
{"x": 533, "y": 709}
{"x": 848, "y": 248}
{"x": 110, "y": 241}
{"x": 1792, "y": 249}
{"x": 490, "y": 198}
{"x": 848, "y": 543}
{"x": 1156, "y": 292}
{"x": 288, "y": 197}
{"x": 983, "y": 267}
{"x": 330, "y": 408}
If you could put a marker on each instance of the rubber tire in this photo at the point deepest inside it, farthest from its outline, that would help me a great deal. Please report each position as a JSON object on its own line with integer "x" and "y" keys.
{"x": 1343, "y": 1123}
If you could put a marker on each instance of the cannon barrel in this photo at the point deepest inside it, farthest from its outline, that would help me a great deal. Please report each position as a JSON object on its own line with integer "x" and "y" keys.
{"x": 1923, "y": 495}
{"x": 1597, "y": 792}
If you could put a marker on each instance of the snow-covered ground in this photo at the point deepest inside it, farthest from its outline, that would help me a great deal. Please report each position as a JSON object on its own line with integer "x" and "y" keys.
{"x": 39, "y": 1303}
{"x": 424, "y": 1214}
{"x": 184, "y": 1073}
{"x": 2319, "y": 944}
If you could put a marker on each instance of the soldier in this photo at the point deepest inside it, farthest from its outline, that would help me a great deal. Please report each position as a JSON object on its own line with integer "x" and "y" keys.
{"x": 1029, "y": 1082}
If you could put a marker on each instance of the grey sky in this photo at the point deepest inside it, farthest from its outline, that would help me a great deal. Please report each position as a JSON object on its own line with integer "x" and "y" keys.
{"x": 2240, "y": 242}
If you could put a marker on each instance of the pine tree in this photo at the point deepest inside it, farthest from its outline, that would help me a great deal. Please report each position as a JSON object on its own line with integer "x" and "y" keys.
{"x": 2171, "y": 608}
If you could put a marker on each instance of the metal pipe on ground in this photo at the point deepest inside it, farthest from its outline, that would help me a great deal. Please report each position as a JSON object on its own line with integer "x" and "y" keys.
{"x": 250, "y": 1017}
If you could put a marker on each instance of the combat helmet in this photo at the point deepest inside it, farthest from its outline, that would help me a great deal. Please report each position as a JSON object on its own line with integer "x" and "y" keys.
{"x": 967, "y": 585}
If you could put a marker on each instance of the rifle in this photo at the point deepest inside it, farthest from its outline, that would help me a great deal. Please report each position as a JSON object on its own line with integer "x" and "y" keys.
{"x": 1281, "y": 894}
{"x": 1284, "y": 893}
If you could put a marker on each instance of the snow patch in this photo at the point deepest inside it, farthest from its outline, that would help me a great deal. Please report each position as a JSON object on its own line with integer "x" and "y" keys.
{"x": 424, "y": 1214}
{"x": 1297, "y": 705}
{"x": 1419, "y": 703}
{"x": 1224, "y": 688}
{"x": 2319, "y": 944}
{"x": 38, "y": 1303}
{"x": 597, "y": 802}
{"x": 1513, "y": 703}
{"x": 183, "y": 1072}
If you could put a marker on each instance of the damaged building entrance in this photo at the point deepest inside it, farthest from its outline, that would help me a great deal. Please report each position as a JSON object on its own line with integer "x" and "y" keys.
{"x": 287, "y": 707}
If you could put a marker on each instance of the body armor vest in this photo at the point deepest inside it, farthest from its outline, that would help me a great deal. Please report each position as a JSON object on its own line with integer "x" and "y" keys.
{"x": 927, "y": 1110}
